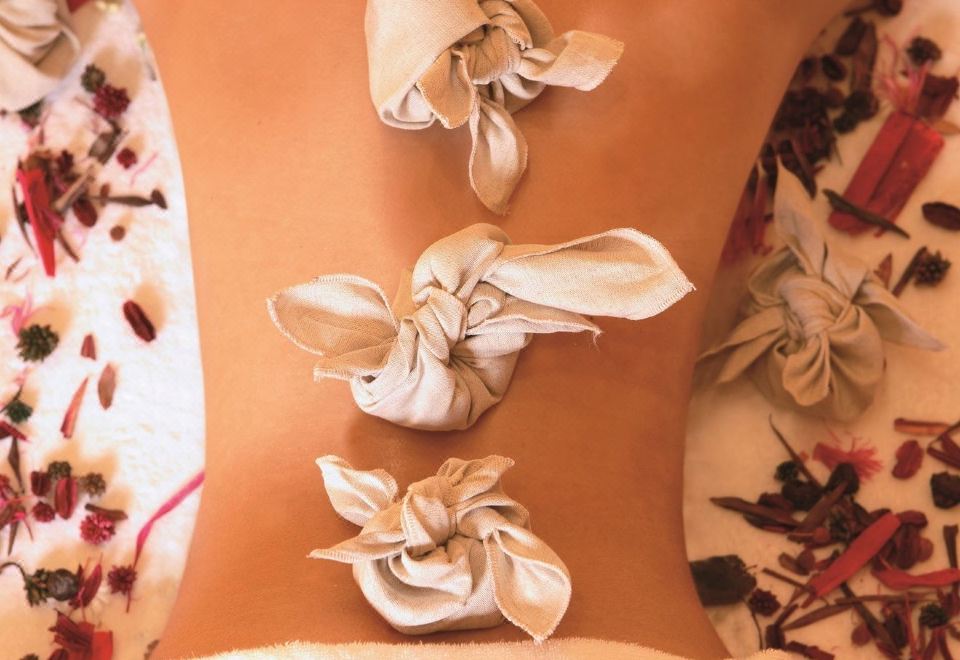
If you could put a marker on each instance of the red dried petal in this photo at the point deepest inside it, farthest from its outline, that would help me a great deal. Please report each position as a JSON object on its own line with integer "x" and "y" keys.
{"x": 65, "y": 497}
{"x": 127, "y": 157}
{"x": 862, "y": 457}
{"x": 860, "y": 552}
{"x": 85, "y": 211}
{"x": 909, "y": 459}
{"x": 138, "y": 320}
{"x": 898, "y": 580}
{"x": 70, "y": 417}
{"x": 884, "y": 270}
{"x": 89, "y": 348}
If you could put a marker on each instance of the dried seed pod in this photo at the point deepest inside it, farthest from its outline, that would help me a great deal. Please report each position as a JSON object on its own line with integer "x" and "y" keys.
{"x": 138, "y": 320}
{"x": 942, "y": 215}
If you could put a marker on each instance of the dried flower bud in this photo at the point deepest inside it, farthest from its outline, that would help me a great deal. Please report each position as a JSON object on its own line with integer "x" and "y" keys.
{"x": 93, "y": 78}
{"x": 36, "y": 342}
{"x": 121, "y": 579}
{"x": 763, "y": 602}
{"x": 721, "y": 580}
{"x": 923, "y": 50}
{"x": 946, "y": 490}
{"x": 127, "y": 158}
{"x": 17, "y": 411}
{"x": 43, "y": 512}
{"x": 117, "y": 232}
{"x": 39, "y": 483}
{"x": 850, "y": 39}
{"x": 931, "y": 269}
{"x": 62, "y": 585}
{"x": 59, "y": 470}
{"x": 93, "y": 484}
{"x": 110, "y": 102}
{"x": 787, "y": 471}
{"x": 96, "y": 528}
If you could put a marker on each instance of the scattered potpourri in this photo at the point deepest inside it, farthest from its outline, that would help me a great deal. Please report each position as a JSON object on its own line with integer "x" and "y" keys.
{"x": 52, "y": 189}
{"x": 839, "y": 538}
{"x": 816, "y": 110}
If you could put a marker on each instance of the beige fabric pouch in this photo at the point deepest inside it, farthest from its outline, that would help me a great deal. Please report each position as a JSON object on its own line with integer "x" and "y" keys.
{"x": 37, "y": 49}
{"x": 454, "y": 553}
{"x": 476, "y": 62}
{"x": 445, "y": 352}
{"x": 813, "y": 325}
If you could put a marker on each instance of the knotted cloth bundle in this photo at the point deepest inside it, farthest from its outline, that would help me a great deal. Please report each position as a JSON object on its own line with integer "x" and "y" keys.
{"x": 476, "y": 62}
{"x": 37, "y": 49}
{"x": 814, "y": 322}
{"x": 446, "y": 351}
{"x": 454, "y": 553}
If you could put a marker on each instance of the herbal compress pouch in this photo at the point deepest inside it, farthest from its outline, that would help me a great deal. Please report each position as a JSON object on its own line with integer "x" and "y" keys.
{"x": 814, "y": 322}
{"x": 445, "y": 352}
{"x": 37, "y": 49}
{"x": 454, "y": 553}
{"x": 476, "y": 62}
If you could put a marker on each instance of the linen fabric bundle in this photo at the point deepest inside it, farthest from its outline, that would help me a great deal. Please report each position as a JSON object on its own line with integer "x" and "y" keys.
{"x": 37, "y": 49}
{"x": 476, "y": 62}
{"x": 446, "y": 350}
{"x": 811, "y": 336}
{"x": 454, "y": 553}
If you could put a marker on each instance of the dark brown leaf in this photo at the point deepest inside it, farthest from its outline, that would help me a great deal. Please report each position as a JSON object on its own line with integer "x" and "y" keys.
{"x": 722, "y": 580}
{"x": 942, "y": 215}
{"x": 138, "y": 321}
{"x": 13, "y": 458}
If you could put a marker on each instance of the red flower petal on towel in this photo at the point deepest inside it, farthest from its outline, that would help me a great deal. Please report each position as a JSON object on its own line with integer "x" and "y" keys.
{"x": 70, "y": 418}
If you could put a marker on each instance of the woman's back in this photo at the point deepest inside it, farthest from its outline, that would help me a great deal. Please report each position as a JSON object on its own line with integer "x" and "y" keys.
{"x": 290, "y": 174}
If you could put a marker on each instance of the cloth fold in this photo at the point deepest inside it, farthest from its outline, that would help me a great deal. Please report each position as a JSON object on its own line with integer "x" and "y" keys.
{"x": 37, "y": 49}
{"x": 454, "y": 553}
{"x": 476, "y": 62}
{"x": 446, "y": 351}
{"x": 812, "y": 328}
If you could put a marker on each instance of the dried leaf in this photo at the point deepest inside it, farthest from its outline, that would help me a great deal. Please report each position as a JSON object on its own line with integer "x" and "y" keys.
{"x": 858, "y": 554}
{"x": 919, "y": 427}
{"x": 844, "y": 206}
{"x": 138, "y": 320}
{"x": 85, "y": 211}
{"x": 942, "y": 215}
{"x": 722, "y": 580}
{"x": 89, "y": 348}
{"x": 909, "y": 459}
{"x": 106, "y": 386}
{"x": 944, "y": 127}
{"x": 70, "y": 417}
{"x": 13, "y": 458}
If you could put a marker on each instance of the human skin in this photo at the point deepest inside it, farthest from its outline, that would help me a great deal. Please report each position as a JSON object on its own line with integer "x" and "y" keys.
{"x": 289, "y": 174}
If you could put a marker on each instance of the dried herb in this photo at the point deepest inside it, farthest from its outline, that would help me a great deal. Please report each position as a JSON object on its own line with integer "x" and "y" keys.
{"x": 933, "y": 615}
{"x": 909, "y": 271}
{"x": 841, "y": 204}
{"x": 117, "y": 232}
{"x": 138, "y": 320}
{"x": 35, "y": 342}
{"x": 863, "y": 64}
{"x": 121, "y": 579}
{"x": 832, "y": 67}
{"x": 89, "y": 348}
{"x": 92, "y": 78}
{"x": 803, "y": 495}
{"x": 942, "y": 215}
{"x": 770, "y": 515}
{"x": 73, "y": 410}
{"x": 127, "y": 158}
{"x": 106, "y": 385}
{"x": 909, "y": 459}
{"x": 97, "y": 528}
{"x": 936, "y": 95}
{"x": 721, "y": 580}
{"x": 946, "y": 490}
{"x": 110, "y": 102}
{"x": 763, "y": 602}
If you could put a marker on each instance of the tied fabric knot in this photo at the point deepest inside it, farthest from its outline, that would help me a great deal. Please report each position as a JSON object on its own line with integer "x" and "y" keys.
{"x": 476, "y": 62}
{"x": 454, "y": 553}
{"x": 37, "y": 49}
{"x": 445, "y": 351}
{"x": 813, "y": 325}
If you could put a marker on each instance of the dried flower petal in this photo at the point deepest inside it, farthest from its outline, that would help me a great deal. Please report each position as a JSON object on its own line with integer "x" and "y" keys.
{"x": 65, "y": 497}
{"x": 138, "y": 320}
{"x": 909, "y": 459}
{"x": 885, "y": 270}
{"x": 898, "y": 580}
{"x": 96, "y": 528}
{"x": 89, "y": 348}
{"x": 106, "y": 386}
{"x": 722, "y": 580}
{"x": 70, "y": 417}
{"x": 860, "y": 552}
{"x": 121, "y": 579}
{"x": 127, "y": 158}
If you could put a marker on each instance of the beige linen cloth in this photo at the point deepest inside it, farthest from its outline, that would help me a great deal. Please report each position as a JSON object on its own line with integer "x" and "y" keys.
{"x": 554, "y": 649}
{"x": 446, "y": 351}
{"x": 454, "y": 553}
{"x": 37, "y": 49}
{"x": 811, "y": 336}
{"x": 476, "y": 62}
